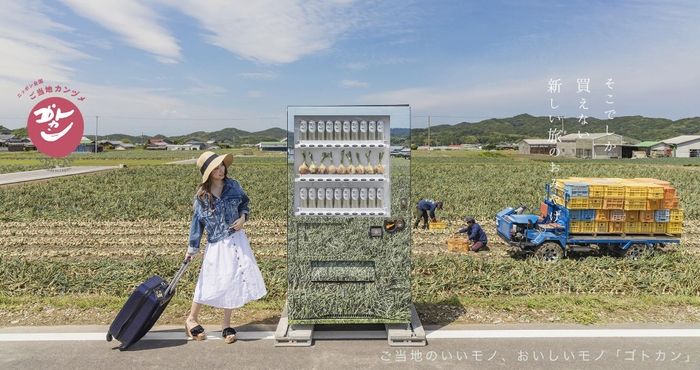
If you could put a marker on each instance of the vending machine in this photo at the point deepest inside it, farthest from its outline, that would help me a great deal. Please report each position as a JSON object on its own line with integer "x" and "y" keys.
{"x": 349, "y": 212}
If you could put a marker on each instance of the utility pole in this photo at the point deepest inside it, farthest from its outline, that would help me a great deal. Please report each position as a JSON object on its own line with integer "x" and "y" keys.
{"x": 96, "y": 120}
{"x": 428, "y": 134}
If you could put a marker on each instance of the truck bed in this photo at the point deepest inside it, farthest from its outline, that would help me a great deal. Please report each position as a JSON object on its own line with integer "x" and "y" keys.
{"x": 591, "y": 239}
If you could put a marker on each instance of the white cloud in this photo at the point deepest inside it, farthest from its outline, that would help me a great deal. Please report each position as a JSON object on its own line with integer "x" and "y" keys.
{"x": 352, "y": 83}
{"x": 135, "y": 22}
{"x": 272, "y": 31}
{"x": 374, "y": 61}
{"x": 255, "y": 94}
{"x": 269, "y": 75}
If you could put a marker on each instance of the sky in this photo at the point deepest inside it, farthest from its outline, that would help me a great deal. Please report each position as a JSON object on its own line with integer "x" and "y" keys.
{"x": 174, "y": 67}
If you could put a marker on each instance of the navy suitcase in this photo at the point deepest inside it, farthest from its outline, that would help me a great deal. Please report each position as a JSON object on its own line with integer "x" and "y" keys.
{"x": 142, "y": 309}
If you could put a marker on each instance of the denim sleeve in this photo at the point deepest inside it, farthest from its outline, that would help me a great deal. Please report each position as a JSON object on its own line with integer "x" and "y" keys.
{"x": 243, "y": 206}
{"x": 196, "y": 229}
{"x": 463, "y": 230}
{"x": 432, "y": 210}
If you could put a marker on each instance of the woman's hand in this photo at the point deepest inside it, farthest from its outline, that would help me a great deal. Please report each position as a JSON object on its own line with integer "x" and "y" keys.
{"x": 238, "y": 224}
{"x": 189, "y": 256}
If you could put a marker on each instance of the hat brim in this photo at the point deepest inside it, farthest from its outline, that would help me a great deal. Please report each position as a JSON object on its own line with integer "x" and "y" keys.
{"x": 226, "y": 159}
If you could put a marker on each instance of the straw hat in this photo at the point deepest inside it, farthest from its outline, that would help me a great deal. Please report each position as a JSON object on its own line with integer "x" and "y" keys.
{"x": 210, "y": 160}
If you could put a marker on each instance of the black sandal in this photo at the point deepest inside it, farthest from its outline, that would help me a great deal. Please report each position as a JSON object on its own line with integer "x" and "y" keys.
{"x": 196, "y": 333}
{"x": 228, "y": 332}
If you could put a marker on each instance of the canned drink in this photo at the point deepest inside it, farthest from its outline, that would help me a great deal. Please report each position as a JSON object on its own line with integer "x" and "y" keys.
{"x": 372, "y": 198}
{"x": 312, "y": 131}
{"x": 329, "y": 130}
{"x": 380, "y": 130}
{"x": 320, "y": 198}
{"x": 380, "y": 198}
{"x": 355, "y": 128}
{"x": 346, "y": 198}
{"x": 372, "y": 128}
{"x": 363, "y": 198}
{"x": 303, "y": 198}
{"x": 312, "y": 198}
{"x": 329, "y": 198}
{"x": 320, "y": 130}
{"x": 346, "y": 130}
{"x": 337, "y": 198}
{"x": 337, "y": 130}
{"x": 302, "y": 130}
{"x": 363, "y": 130}
{"x": 355, "y": 198}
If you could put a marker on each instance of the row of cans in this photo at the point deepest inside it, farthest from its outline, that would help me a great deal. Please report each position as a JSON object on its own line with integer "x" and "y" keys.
{"x": 354, "y": 198}
{"x": 341, "y": 130}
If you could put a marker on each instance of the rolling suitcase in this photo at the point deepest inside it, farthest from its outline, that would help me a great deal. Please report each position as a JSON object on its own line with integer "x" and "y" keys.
{"x": 142, "y": 309}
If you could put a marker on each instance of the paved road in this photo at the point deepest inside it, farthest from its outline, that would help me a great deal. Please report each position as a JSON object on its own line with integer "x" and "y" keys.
{"x": 19, "y": 177}
{"x": 545, "y": 347}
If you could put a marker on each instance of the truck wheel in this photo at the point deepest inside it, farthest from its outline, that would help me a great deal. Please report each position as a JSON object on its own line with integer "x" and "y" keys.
{"x": 549, "y": 252}
{"x": 635, "y": 251}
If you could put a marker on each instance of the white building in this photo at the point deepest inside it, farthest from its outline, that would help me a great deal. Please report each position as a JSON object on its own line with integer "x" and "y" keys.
{"x": 685, "y": 146}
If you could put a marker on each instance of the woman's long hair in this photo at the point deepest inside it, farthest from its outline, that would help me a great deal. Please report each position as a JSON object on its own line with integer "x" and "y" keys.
{"x": 205, "y": 191}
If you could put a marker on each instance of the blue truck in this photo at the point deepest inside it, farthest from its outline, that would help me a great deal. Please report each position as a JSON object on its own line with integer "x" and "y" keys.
{"x": 547, "y": 234}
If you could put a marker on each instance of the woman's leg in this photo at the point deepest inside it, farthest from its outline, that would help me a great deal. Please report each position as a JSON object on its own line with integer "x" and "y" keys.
{"x": 227, "y": 324}
{"x": 194, "y": 330}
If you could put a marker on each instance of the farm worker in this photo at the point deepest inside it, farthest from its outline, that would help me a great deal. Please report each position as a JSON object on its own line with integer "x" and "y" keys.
{"x": 476, "y": 234}
{"x": 229, "y": 277}
{"x": 422, "y": 209}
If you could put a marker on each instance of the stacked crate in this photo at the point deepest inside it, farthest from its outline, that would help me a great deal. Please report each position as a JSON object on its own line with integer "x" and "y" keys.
{"x": 620, "y": 206}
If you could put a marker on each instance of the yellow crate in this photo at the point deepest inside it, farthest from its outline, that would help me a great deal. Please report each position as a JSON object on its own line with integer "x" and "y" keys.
{"x": 587, "y": 227}
{"x": 601, "y": 226}
{"x": 560, "y": 184}
{"x": 596, "y": 191}
{"x": 632, "y": 216}
{"x": 653, "y": 204}
{"x": 578, "y": 203}
{"x": 614, "y": 191}
{"x": 595, "y": 203}
{"x": 613, "y": 203}
{"x": 558, "y": 200}
{"x": 458, "y": 244}
{"x": 439, "y": 225}
{"x": 616, "y": 227}
{"x": 660, "y": 227}
{"x": 602, "y": 215}
{"x": 574, "y": 227}
{"x": 635, "y": 204}
{"x": 676, "y": 215}
{"x": 631, "y": 227}
{"x": 635, "y": 191}
{"x": 674, "y": 227}
{"x": 655, "y": 191}
{"x": 646, "y": 227}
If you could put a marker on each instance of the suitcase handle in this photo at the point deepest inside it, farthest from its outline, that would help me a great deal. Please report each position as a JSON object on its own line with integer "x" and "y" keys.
{"x": 176, "y": 278}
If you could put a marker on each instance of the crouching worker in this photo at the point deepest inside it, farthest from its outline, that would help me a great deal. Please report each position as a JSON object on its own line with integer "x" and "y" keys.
{"x": 476, "y": 234}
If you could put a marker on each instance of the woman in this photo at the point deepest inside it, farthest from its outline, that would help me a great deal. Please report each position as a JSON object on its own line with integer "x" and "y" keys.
{"x": 229, "y": 277}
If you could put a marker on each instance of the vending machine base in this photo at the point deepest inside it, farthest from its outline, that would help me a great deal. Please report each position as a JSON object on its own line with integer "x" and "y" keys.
{"x": 398, "y": 335}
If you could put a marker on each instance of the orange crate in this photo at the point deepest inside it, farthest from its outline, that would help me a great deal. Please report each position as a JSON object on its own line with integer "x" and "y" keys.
{"x": 669, "y": 203}
{"x": 602, "y": 215}
{"x": 578, "y": 203}
{"x": 674, "y": 227}
{"x": 631, "y": 227}
{"x": 646, "y": 227}
{"x": 676, "y": 215}
{"x": 635, "y": 204}
{"x": 669, "y": 192}
{"x": 646, "y": 216}
{"x": 595, "y": 203}
{"x": 601, "y": 226}
{"x": 632, "y": 216}
{"x": 616, "y": 227}
{"x": 653, "y": 204}
{"x": 652, "y": 180}
{"x": 613, "y": 203}
{"x": 458, "y": 244}
{"x": 660, "y": 227}
{"x": 617, "y": 215}
{"x": 655, "y": 191}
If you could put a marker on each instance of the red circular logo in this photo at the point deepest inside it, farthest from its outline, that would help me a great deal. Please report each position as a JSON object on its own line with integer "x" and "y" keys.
{"x": 55, "y": 127}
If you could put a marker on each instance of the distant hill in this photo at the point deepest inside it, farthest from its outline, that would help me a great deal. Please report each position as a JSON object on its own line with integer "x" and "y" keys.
{"x": 4, "y": 129}
{"x": 525, "y": 126}
{"x": 230, "y": 134}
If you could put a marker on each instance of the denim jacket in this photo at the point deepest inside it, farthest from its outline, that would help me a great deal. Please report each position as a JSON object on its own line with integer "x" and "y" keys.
{"x": 232, "y": 203}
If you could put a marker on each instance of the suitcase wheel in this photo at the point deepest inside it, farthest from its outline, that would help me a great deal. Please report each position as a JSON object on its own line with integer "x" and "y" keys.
{"x": 109, "y": 337}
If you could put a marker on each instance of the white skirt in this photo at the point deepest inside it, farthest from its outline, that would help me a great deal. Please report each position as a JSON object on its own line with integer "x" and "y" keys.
{"x": 229, "y": 277}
